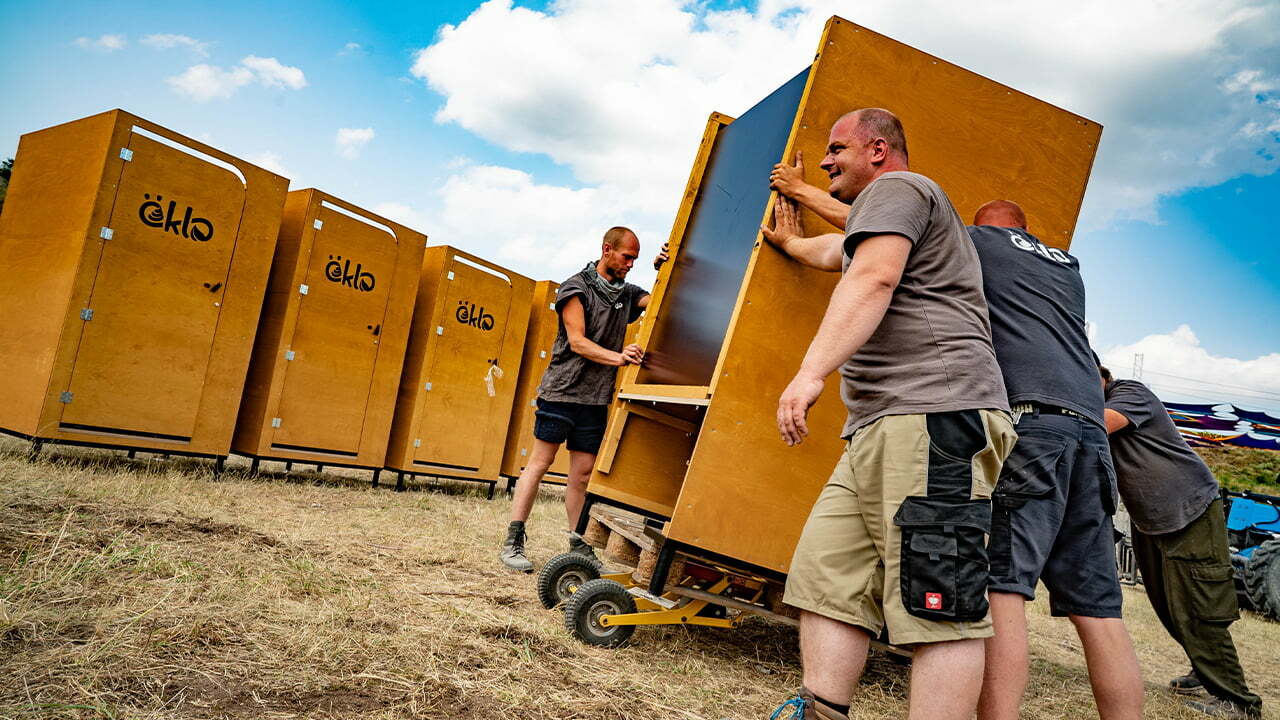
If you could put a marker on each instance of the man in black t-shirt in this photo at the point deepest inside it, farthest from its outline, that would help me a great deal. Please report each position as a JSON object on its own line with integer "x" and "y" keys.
{"x": 1180, "y": 542}
{"x": 595, "y": 306}
{"x": 1051, "y": 519}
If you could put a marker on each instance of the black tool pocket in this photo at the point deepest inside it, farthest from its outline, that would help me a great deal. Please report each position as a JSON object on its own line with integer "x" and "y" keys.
{"x": 1107, "y": 485}
{"x": 945, "y": 570}
{"x": 1030, "y": 470}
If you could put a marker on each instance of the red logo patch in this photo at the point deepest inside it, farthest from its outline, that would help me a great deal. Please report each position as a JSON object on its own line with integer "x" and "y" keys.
{"x": 933, "y": 601}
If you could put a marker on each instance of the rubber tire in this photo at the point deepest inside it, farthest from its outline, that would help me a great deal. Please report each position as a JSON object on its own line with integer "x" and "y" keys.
{"x": 595, "y": 598}
{"x": 563, "y": 575}
{"x": 1262, "y": 579}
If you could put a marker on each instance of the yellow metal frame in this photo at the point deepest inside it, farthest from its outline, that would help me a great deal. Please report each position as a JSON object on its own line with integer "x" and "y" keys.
{"x": 651, "y": 613}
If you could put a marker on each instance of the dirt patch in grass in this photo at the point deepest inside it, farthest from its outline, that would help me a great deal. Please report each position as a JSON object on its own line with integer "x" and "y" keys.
{"x": 150, "y": 589}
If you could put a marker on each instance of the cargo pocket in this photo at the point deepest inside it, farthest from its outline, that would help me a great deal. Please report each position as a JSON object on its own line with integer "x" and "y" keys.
{"x": 1213, "y": 594}
{"x": 1030, "y": 471}
{"x": 944, "y": 568}
{"x": 1107, "y": 486}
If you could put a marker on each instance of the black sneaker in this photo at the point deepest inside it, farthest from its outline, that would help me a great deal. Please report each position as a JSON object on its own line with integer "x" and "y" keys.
{"x": 1223, "y": 708}
{"x": 512, "y": 554}
{"x": 1188, "y": 684}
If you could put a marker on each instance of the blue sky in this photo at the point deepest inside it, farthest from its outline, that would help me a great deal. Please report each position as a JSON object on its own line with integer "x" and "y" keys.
{"x": 520, "y": 131}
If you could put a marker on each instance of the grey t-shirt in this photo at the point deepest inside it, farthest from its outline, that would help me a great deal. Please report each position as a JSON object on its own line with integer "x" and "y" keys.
{"x": 1164, "y": 483}
{"x": 571, "y": 377}
{"x": 1035, "y": 297}
{"x": 932, "y": 351}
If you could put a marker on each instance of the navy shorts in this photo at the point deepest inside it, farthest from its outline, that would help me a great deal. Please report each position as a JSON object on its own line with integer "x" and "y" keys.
{"x": 1051, "y": 516}
{"x": 580, "y": 427}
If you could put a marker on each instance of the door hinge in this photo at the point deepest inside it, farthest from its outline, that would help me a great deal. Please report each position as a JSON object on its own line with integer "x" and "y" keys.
{"x": 275, "y": 422}
{"x": 126, "y": 154}
{"x": 450, "y": 274}
{"x": 524, "y": 451}
{"x": 427, "y": 387}
{"x": 303, "y": 289}
{"x": 439, "y": 329}
{"x": 318, "y": 224}
{"x": 551, "y": 306}
{"x": 288, "y": 355}
{"x": 66, "y": 396}
{"x": 542, "y": 354}
{"x": 86, "y": 314}
{"x": 106, "y": 233}
{"x": 417, "y": 442}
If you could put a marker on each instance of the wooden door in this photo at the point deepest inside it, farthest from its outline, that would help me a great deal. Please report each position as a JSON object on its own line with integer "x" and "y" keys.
{"x": 455, "y": 427}
{"x": 336, "y": 337}
{"x": 157, "y": 295}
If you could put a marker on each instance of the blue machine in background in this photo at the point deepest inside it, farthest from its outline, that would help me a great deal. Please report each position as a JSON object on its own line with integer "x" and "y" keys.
{"x": 1253, "y": 531}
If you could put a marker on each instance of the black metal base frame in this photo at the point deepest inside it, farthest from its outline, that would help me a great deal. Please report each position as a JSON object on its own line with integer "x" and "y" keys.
{"x": 38, "y": 443}
{"x": 400, "y": 484}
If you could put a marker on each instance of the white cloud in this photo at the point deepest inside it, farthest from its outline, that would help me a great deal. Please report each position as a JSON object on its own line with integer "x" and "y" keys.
{"x": 404, "y": 214}
{"x": 351, "y": 48}
{"x": 168, "y": 41}
{"x": 106, "y": 43}
{"x": 1180, "y": 369}
{"x": 619, "y": 91}
{"x": 271, "y": 73}
{"x": 271, "y": 161}
{"x": 350, "y": 141}
{"x": 203, "y": 82}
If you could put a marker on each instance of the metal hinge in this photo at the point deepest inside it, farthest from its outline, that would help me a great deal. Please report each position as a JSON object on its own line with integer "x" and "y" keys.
{"x": 427, "y": 387}
{"x": 275, "y": 422}
{"x": 450, "y": 274}
{"x": 106, "y": 233}
{"x": 126, "y": 154}
{"x": 542, "y": 353}
{"x": 533, "y": 403}
{"x": 303, "y": 289}
{"x": 439, "y": 329}
{"x": 551, "y": 306}
{"x": 318, "y": 224}
{"x": 417, "y": 442}
{"x": 288, "y": 354}
{"x": 66, "y": 396}
{"x": 524, "y": 451}
{"x": 86, "y": 314}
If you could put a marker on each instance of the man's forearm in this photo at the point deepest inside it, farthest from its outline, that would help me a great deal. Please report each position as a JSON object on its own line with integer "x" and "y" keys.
{"x": 821, "y": 252}
{"x": 595, "y": 353}
{"x": 856, "y": 308}
{"x": 821, "y": 203}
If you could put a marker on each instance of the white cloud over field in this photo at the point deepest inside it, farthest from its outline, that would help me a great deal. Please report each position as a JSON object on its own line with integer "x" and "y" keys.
{"x": 350, "y": 141}
{"x": 168, "y": 41}
{"x": 618, "y": 91}
{"x": 105, "y": 43}
{"x": 1179, "y": 369}
{"x": 204, "y": 82}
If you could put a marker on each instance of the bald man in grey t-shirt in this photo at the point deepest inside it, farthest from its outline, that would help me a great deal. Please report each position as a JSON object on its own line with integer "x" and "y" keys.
{"x": 927, "y": 430}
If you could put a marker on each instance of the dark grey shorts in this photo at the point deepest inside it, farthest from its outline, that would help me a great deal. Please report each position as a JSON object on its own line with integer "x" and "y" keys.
{"x": 1051, "y": 519}
{"x": 580, "y": 427}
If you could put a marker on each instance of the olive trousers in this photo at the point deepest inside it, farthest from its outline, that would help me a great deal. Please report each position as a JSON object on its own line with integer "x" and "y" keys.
{"x": 1188, "y": 578}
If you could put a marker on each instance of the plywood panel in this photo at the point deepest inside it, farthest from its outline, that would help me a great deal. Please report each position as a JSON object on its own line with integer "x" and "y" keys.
{"x": 647, "y": 466}
{"x": 685, "y": 342}
{"x": 544, "y": 324}
{"x": 751, "y": 505}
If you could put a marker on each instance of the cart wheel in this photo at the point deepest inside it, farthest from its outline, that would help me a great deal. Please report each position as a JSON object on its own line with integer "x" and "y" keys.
{"x": 563, "y": 575}
{"x": 1262, "y": 579}
{"x": 596, "y": 598}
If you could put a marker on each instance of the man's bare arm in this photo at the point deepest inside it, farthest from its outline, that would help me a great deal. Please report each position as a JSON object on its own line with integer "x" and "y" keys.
{"x": 824, "y": 252}
{"x": 575, "y": 326}
{"x": 1115, "y": 420}
{"x": 856, "y": 308}
{"x": 789, "y": 181}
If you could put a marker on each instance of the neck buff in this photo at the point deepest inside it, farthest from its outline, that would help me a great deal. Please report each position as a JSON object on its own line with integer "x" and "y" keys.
{"x": 604, "y": 288}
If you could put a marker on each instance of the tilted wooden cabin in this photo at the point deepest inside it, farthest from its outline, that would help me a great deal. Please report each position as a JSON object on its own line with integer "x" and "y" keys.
{"x": 693, "y": 440}
{"x": 135, "y": 262}
{"x": 544, "y": 324}
{"x": 460, "y": 371}
{"x": 331, "y": 342}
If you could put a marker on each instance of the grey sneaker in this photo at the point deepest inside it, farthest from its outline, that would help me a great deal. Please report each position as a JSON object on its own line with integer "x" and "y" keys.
{"x": 1223, "y": 708}
{"x": 1188, "y": 684}
{"x": 512, "y": 554}
{"x": 580, "y": 546}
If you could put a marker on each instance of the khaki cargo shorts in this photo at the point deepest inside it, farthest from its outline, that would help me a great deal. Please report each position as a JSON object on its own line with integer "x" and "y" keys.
{"x": 898, "y": 536}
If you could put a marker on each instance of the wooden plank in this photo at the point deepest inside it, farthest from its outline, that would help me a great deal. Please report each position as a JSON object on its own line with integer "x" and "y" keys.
{"x": 696, "y": 392}
{"x": 670, "y": 420}
{"x": 751, "y": 506}
{"x": 647, "y": 464}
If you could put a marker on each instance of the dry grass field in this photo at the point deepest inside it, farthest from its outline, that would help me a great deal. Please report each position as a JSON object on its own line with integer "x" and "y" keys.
{"x": 149, "y": 589}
